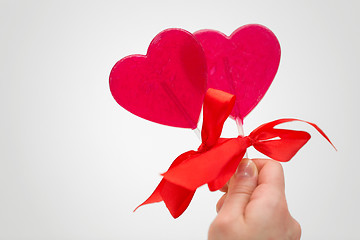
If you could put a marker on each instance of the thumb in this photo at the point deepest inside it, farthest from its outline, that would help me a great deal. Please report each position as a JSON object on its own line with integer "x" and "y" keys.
{"x": 241, "y": 186}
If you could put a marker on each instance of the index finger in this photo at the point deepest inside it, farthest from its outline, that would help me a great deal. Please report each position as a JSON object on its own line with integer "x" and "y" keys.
{"x": 270, "y": 173}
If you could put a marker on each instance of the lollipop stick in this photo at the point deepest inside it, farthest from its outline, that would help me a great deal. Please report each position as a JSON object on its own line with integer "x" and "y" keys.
{"x": 197, "y": 133}
{"x": 240, "y": 127}
{"x": 181, "y": 108}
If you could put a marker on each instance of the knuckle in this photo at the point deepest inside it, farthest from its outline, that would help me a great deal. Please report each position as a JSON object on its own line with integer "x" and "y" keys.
{"x": 278, "y": 166}
{"x": 294, "y": 230}
{"x": 223, "y": 226}
{"x": 243, "y": 190}
{"x": 297, "y": 230}
{"x": 220, "y": 202}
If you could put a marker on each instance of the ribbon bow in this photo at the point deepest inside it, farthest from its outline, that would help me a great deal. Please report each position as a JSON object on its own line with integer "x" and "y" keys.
{"x": 216, "y": 159}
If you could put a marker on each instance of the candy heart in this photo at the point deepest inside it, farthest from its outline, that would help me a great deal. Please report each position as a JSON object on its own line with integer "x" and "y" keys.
{"x": 243, "y": 64}
{"x": 168, "y": 84}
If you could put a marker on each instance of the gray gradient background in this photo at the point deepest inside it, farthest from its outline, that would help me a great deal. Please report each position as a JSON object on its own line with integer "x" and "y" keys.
{"x": 73, "y": 164}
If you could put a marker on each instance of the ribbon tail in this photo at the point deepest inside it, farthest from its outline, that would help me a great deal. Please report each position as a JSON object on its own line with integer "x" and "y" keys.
{"x": 154, "y": 197}
{"x": 281, "y": 144}
{"x": 320, "y": 131}
{"x": 271, "y": 125}
{"x": 175, "y": 197}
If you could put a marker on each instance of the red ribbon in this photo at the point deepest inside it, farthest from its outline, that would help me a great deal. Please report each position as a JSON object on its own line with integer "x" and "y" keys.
{"x": 217, "y": 158}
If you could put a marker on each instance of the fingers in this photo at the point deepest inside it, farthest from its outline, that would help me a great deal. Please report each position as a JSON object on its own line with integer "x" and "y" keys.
{"x": 254, "y": 204}
{"x": 273, "y": 173}
{"x": 220, "y": 202}
{"x": 270, "y": 173}
{"x": 240, "y": 188}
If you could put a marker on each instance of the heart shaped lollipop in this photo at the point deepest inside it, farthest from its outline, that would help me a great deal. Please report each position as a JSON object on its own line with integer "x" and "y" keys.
{"x": 243, "y": 64}
{"x": 168, "y": 84}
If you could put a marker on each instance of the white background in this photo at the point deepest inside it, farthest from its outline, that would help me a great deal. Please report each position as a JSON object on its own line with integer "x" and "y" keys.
{"x": 74, "y": 164}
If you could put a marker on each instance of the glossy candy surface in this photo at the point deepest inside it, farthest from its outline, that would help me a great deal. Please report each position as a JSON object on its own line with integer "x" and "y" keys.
{"x": 168, "y": 84}
{"x": 243, "y": 64}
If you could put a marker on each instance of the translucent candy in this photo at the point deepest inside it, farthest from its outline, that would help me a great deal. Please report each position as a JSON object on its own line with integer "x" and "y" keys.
{"x": 243, "y": 64}
{"x": 168, "y": 84}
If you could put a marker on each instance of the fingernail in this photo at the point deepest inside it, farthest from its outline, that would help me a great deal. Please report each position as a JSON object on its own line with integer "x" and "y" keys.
{"x": 246, "y": 168}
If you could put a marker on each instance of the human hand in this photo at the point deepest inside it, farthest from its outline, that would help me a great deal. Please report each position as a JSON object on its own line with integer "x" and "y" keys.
{"x": 254, "y": 205}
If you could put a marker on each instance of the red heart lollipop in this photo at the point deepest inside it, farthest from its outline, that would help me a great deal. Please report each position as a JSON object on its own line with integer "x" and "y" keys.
{"x": 168, "y": 84}
{"x": 243, "y": 64}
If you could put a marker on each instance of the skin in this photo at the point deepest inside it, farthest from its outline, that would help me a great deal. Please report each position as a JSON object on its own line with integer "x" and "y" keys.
{"x": 254, "y": 205}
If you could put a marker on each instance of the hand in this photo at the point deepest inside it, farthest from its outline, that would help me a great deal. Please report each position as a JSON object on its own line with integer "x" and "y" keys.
{"x": 254, "y": 205}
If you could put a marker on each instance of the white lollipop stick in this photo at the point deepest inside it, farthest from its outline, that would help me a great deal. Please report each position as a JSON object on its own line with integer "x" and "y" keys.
{"x": 240, "y": 128}
{"x": 197, "y": 133}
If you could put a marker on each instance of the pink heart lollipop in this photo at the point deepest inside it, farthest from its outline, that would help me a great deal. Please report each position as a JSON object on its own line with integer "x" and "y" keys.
{"x": 243, "y": 64}
{"x": 168, "y": 84}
